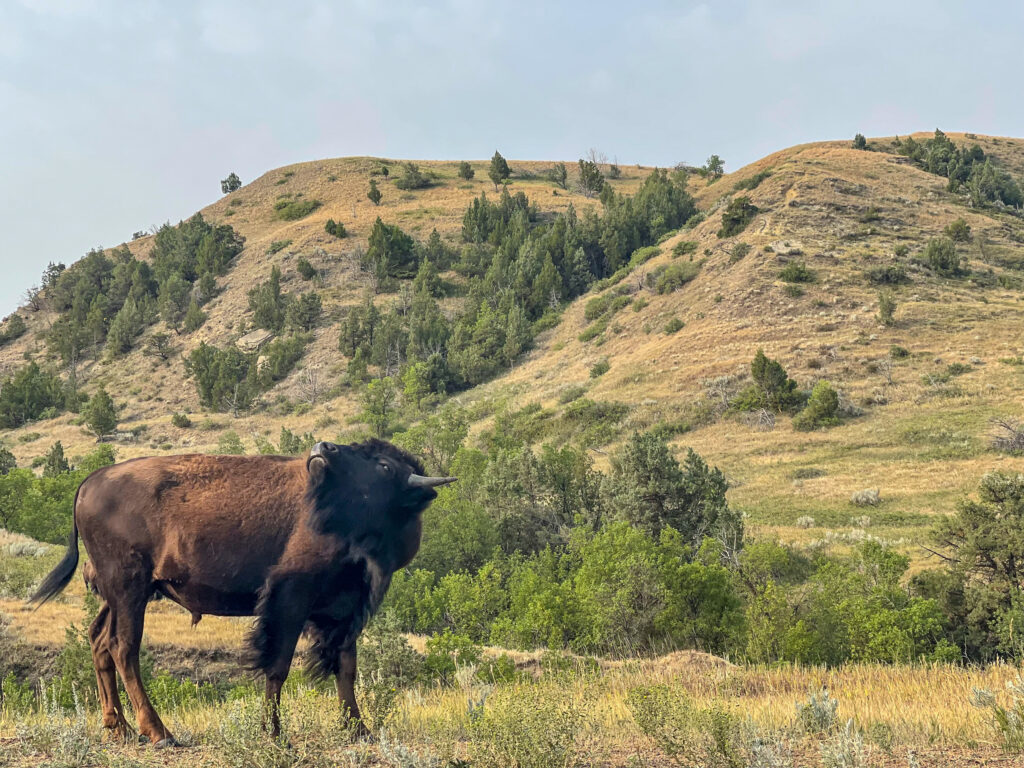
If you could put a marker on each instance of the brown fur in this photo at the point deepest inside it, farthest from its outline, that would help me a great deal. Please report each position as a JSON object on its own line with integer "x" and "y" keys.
{"x": 302, "y": 544}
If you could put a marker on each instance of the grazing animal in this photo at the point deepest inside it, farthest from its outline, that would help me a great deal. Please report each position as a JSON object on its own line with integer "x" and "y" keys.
{"x": 301, "y": 544}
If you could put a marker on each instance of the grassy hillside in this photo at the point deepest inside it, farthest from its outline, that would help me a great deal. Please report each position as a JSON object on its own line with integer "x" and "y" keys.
{"x": 826, "y": 235}
{"x": 921, "y": 441}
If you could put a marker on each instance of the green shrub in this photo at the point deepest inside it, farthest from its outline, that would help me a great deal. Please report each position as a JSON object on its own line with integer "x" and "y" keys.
{"x": 673, "y": 325}
{"x": 958, "y": 230}
{"x": 886, "y": 307}
{"x": 466, "y": 171}
{"x": 600, "y": 368}
{"x": 639, "y": 303}
{"x": 535, "y": 726}
{"x": 940, "y": 254}
{"x": 897, "y": 352}
{"x": 822, "y": 409}
{"x": 672, "y": 277}
{"x": 292, "y": 210}
{"x": 411, "y": 178}
{"x": 793, "y": 291}
{"x": 181, "y": 420}
{"x": 278, "y": 245}
{"x": 230, "y": 444}
{"x": 752, "y": 182}
{"x": 571, "y": 393}
{"x": 335, "y": 229}
{"x": 889, "y": 274}
{"x": 690, "y": 735}
{"x": 736, "y": 216}
{"x": 738, "y": 252}
{"x": 13, "y": 328}
{"x": 684, "y": 248}
{"x": 797, "y": 272}
{"x": 304, "y": 268}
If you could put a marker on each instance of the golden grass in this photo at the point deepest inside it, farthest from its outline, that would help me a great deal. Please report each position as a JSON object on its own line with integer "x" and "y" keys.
{"x": 924, "y": 708}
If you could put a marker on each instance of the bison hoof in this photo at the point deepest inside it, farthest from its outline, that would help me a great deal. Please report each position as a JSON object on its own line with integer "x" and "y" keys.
{"x": 170, "y": 741}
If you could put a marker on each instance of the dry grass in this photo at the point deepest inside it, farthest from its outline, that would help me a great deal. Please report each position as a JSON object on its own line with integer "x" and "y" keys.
{"x": 923, "y": 708}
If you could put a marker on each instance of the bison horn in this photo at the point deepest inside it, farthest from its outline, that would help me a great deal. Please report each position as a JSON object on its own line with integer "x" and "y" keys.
{"x": 419, "y": 481}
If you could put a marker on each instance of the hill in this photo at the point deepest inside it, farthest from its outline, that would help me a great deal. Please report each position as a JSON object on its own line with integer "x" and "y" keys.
{"x": 703, "y": 425}
{"x": 923, "y": 438}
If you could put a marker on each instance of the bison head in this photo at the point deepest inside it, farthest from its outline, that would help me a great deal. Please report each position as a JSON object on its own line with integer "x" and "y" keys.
{"x": 367, "y": 487}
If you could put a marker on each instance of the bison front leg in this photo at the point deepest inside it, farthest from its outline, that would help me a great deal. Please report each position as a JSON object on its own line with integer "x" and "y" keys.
{"x": 281, "y": 614}
{"x": 346, "y": 679}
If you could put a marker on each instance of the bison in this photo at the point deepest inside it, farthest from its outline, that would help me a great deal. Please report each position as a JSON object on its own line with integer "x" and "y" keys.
{"x": 301, "y": 544}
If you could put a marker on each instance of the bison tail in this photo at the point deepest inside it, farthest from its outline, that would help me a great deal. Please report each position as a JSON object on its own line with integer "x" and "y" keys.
{"x": 59, "y": 577}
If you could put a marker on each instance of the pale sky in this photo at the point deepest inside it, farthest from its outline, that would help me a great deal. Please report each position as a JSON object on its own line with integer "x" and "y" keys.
{"x": 116, "y": 116}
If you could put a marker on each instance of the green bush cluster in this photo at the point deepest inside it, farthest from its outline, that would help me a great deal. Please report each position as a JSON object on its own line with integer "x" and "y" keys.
{"x": 110, "y": 300}
{"x": 14, "y": 328}
{"x": 736, "y": 216}
{"x": 289, "y": 209}
{"x": 967, "y": 168}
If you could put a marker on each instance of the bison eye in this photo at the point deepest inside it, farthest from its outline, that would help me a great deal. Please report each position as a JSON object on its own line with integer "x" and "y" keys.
{"x": 384, "y": 467}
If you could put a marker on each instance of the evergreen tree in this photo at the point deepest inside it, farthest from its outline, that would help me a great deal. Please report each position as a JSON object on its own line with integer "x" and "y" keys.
{"x": 268, "y": 303}
{"x": 859, "y": 142}
{"x": 517, "y": 335}
{"x": 373, "y": 193}
{"x": 174, "y": 300}
{"x": 7, "y": 461}
{"x": 466, "y": 171}
{"x": 390, "y": 251}
{"x": 714, "y": 168}
{"x": 591, "y": 180}
{"x": 100, "y": 414}
{"x": 649, "y": 489}
{"x": 194, "y": 317}
{"x": 427, "y": 279}
{"x": 304, "y": 313}
{"x": 335, "y": 228}
{"x": 411, "y": 178}
{"x": 499, "y": 170}
{"x": 778, "y": 392}
{"x": 55, "y": 464}
{"x": 560, "y": 175}
{"x": 231, "y": 183}
{"x": 379, "y": 405}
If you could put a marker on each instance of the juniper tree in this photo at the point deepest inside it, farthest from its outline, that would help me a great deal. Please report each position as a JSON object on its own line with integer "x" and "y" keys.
{"x": 499, "y": 170}
{"x": 374, "y": 193}
{"x": 231, "y": 183}
{"x": 100, "y": 413}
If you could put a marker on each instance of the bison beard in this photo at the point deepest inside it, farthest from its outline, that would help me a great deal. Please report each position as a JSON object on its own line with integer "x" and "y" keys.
{"x": 312, "y": 550}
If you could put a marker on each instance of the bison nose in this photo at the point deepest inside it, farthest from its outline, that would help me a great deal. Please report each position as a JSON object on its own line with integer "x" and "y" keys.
{"x": 322, "y": 449}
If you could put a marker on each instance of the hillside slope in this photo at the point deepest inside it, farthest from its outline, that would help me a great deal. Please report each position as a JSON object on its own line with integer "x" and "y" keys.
{"x": 922, "y": 439}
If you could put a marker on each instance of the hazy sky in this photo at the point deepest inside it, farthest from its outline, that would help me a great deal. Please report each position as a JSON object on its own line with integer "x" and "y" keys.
{"x": 115, "y": 116}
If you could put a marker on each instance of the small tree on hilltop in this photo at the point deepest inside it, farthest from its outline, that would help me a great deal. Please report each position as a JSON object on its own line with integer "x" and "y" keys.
{"x": 231, "y": 183}
{"x": 714, "y": 168}
{"x": 859, "y": 142}
{"x": 499, "y": 170}
{"x": 560, "y": 175}
{"x": 100, "y": 413}
{"x": 466, "y": 171}
{"x": 374, "y": 194}
{"x": 591, "y": 179}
